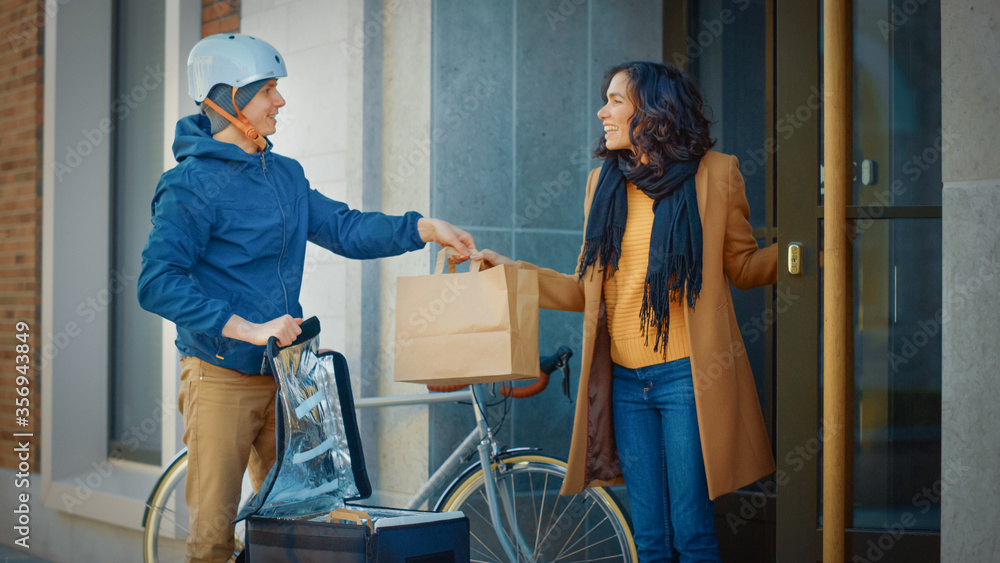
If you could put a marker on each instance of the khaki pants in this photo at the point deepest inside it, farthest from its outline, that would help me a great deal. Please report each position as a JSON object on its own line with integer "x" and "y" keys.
{"x": 228, "y": 422}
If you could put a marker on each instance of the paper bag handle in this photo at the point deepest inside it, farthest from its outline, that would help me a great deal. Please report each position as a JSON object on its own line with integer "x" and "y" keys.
{"x": 357, "y": 516}
{"x": 443, "y": 254}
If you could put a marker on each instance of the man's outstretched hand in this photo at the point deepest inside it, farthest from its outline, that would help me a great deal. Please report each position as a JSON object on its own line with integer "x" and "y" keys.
{"x": 445, "y": 234}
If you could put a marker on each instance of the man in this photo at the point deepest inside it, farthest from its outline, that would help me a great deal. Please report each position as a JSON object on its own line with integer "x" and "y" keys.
{"x": 224, "y": 261}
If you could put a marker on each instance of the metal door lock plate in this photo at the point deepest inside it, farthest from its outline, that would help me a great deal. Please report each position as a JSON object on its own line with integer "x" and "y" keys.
{"x": 795, "y": 258}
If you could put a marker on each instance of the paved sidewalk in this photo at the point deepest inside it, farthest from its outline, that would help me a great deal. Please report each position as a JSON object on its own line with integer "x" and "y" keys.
{"x": 13, "y": 555}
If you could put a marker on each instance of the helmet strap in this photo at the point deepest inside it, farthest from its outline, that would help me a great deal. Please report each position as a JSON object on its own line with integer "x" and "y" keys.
{"x": 243, "y": 123}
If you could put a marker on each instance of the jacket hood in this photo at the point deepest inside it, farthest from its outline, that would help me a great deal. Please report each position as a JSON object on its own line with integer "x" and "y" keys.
{"x": 193, "y": 137}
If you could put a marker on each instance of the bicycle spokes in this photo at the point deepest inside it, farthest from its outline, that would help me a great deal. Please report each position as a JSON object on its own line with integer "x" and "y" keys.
{"x": 585, "y": 527}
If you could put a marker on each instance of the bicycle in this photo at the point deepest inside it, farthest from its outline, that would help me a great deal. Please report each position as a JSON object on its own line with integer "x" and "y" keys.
{"x": 515, "y": 511}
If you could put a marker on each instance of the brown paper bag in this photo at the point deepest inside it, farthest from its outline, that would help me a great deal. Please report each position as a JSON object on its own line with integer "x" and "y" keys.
{"x": 474, "y": 327}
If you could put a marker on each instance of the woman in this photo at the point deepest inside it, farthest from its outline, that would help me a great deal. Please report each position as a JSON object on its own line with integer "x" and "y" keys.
{"x": 666, "y": 396}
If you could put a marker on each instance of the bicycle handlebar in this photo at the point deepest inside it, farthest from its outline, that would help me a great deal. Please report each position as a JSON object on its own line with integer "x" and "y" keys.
{"x": 548, "y": 364}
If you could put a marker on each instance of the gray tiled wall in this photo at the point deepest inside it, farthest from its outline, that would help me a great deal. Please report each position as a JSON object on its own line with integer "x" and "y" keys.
{"x": 515, "y": 93}
{"x": 970, "y": 435}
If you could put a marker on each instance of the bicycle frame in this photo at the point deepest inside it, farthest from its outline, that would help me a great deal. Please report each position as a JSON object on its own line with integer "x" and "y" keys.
{"x": 454, "y": 460}
{"x": 481, "y": 439}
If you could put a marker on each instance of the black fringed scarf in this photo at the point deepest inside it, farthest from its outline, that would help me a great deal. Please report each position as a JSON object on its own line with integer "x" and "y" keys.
{"x": 675, "y": 245}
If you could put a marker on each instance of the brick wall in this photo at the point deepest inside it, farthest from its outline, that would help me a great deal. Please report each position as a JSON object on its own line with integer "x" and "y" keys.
{"x": 219, "y": 16}
{"x": 22, "y": 27}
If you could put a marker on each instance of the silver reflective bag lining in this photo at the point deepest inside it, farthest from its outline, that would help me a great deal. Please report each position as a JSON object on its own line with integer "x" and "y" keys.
{"x": 319, "y": 461}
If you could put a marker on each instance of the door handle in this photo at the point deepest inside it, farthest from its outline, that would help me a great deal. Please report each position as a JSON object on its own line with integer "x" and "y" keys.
{"x": 795, "y": 258}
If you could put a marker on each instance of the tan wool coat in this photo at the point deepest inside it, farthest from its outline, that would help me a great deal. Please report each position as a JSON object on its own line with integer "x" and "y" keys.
{"x": 733, "y": 437}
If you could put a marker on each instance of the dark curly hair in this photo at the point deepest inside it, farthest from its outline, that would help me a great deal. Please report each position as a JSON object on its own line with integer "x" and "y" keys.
{"x": 669, "y": 123}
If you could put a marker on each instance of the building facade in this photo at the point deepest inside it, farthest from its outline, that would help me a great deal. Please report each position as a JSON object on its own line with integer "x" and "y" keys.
{"x": 484, "y": 114}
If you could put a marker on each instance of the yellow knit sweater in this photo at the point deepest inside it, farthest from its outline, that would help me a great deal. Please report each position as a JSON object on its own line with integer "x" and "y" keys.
{"x": 623, "y": 295}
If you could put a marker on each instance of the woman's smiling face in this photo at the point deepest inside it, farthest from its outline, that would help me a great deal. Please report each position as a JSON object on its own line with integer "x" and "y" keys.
{"x": 617, "y": 114}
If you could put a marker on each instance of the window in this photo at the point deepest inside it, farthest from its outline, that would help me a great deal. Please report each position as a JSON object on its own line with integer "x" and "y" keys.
{"x": 137, "y": 162}
{"x": 96, "y": 161}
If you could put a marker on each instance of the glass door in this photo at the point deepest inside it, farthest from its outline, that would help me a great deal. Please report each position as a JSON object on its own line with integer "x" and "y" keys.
{"x": 894, "y": 464}
{"x": 759, "y": 64}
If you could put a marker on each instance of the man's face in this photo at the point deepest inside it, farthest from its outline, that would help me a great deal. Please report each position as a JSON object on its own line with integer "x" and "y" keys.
{"x": 262, "y": 110}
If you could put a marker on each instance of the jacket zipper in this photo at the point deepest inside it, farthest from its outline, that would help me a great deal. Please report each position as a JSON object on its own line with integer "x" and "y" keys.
{"x": 284, "y": 229}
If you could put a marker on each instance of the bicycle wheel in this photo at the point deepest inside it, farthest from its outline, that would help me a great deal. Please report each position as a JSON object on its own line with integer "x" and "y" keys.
{"x": 590, "y": 526}
{"x": 165, "y": 523}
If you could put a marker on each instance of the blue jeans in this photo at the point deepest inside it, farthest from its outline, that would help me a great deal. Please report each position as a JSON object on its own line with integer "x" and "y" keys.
{"x": 656, "y": 428}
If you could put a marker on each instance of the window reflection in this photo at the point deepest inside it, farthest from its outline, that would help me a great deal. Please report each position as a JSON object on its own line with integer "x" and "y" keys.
{"x": 897, "y": 374}
{"x": 898, "y": 141}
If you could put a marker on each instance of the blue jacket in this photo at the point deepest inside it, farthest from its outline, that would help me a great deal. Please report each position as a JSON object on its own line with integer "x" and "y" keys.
{"x": 229, "y": 237}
